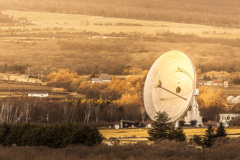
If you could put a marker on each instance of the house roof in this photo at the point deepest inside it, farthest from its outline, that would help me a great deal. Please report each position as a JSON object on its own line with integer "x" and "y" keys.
{"x": 218, "y": 81}
{"x": 94, "y": 79}
{"x": 104, "y": 76}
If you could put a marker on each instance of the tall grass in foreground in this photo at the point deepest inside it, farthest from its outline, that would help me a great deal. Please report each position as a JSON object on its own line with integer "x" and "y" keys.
{"x": 160, "y": 150}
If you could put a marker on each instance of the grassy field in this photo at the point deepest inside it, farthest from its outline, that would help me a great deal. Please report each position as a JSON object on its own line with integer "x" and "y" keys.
{"x": 231, "y": 90}
{"x": 137, "y": 135}
{"x": 107, "y": 133}
{"x": 84, "y": 43}
{"x": 15, "y": 89}
{"x": 22, "y": 87}
{"x": 103, "y": 25}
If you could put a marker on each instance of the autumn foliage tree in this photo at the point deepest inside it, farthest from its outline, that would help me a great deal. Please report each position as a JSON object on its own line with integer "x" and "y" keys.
{"x": 64, "y": 78}
{"x": 120, "y": 98}
{"x": 211, "y": 103}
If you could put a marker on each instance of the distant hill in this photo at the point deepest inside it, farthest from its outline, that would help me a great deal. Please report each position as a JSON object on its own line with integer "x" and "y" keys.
{"x": 209, "y": 12}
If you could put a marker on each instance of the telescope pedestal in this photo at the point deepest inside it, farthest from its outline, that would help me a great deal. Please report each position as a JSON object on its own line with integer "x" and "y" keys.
{"x": 194, "y": 114}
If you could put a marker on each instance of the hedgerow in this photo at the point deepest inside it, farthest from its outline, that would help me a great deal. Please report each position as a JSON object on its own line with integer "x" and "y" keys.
{"x": 55, "y": 136}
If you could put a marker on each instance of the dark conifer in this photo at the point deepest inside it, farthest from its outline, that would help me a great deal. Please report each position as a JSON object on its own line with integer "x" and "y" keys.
{"x": 161, "y": 127}
{"x": 209, "y": 136}
{"x": 179, "y": 135}
{"x": 198, "y": 140}
{"x": 221, "y": 132}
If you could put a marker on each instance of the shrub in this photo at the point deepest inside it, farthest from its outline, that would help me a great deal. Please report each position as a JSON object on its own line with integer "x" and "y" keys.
{"x": 55, "y": 136}
{"x": 198, "y": 140}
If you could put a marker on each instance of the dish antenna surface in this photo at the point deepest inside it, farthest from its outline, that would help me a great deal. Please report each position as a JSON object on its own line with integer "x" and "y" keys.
{"x": 170, "y": 86}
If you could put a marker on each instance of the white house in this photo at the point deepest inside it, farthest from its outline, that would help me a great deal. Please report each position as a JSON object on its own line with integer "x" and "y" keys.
{"x": 209, "y": 83}
{"x": 225, "y": 118}
{"x": 37, "y": 94}
{"x": 102, "y": 78}
{"x": 96, "y": 80}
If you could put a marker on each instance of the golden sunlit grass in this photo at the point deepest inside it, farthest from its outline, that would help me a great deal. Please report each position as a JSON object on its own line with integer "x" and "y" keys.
{"x": 91, "y": 23}
{"x": 107, "y": 133}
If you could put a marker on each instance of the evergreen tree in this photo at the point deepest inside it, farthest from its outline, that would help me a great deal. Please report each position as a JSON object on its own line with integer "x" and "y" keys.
{"x": 161, "y": 127}
{"x": 176, "y": 134}
{"x": 221, "y": 132}
{"x": 209, "y": 136}
{"x": 198, "y": 140}
{"x": 179, "y": 135}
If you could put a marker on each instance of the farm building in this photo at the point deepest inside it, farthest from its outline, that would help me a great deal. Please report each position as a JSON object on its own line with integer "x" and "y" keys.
{"x": 38, "y": 95}
{"x": 225, "y": 118}
{"x": 102, "y": 78}
{"x": 218, "y": 82}
{"x": 130, "y": 124}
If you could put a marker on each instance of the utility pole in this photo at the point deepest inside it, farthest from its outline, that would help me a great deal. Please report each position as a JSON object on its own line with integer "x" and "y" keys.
{"x": 28, "y": 75}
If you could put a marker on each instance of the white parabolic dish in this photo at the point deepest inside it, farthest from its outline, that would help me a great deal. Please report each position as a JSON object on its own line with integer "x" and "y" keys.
{"x": 170, "y": 85}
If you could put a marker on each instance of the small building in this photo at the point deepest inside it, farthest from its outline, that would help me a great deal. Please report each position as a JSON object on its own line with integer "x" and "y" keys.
{"x": 225, "y": 118}
{"x": 38, "y": 95}
{"x": 225, "y": 84}
{"x": 116, "y": 126}
{"x": 218, "y": 82}
{"x": 102, "y": 78}
{"x": 130, "y": 124}
{"x": 149, "y": 125}
{"x": 209, "y": 83}
{"x": 96, "y": 80}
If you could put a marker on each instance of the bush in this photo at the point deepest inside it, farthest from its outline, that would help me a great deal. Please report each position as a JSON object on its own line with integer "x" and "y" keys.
{"x": 198, "y": 140}
{"x": 55, "y": 136}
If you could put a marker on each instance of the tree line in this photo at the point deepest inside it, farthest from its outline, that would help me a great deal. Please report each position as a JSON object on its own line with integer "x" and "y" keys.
{"x": 210, "y": 136}
{"x": 128, "y": 93}
{"x": 15, "y": 68}
{"x": 86, "y": 111}
{"x": 208, "y": 13}
{"x": 56, "y": 136}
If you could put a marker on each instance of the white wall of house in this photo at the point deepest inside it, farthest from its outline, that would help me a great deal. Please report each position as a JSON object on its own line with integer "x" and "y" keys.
{"x": 37, "y": 94}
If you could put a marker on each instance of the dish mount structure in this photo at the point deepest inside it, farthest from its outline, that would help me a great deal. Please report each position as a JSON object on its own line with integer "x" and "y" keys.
{"x": 170, "y": 86}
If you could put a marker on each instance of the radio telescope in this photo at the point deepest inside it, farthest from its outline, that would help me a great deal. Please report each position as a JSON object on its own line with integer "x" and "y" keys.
{"x": 170, "y": 86}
